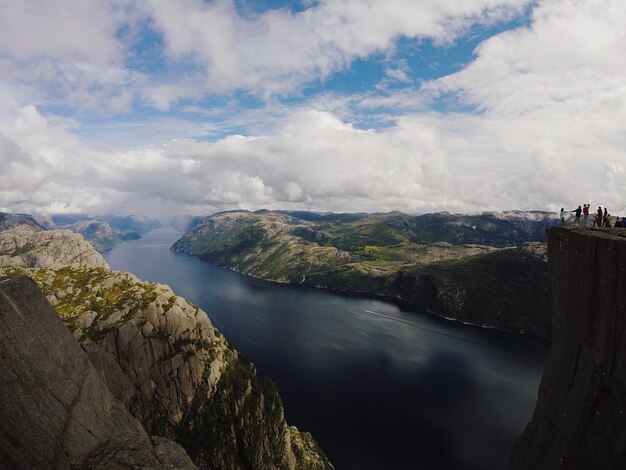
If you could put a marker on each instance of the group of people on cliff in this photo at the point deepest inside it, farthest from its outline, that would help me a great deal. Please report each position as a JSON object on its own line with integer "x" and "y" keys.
{"x": 601, "y": 218}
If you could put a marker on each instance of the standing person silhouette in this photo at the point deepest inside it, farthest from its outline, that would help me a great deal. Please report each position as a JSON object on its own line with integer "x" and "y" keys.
{"x": 562, "y": 216}
{"x": 586, "y": 213}
{"x": 599, "y": 216}
{"x": 605, "y": 218}
{"x": 577, "y": 213}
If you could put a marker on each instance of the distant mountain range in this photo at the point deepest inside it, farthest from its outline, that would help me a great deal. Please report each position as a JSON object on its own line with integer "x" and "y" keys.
{"x": 103, "y": 232}
{"x": 488, "y": 269}
{"x": 9, "y": 221}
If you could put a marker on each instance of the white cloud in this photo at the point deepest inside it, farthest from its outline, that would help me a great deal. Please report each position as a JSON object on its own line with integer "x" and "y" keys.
{"x": 75, "y": 52}
{"x": 68, "y": 53}
{"x": 276, "y": 51}
{"x": 552, "y": 92}
{"x": 549, "y": 130}
{"x": 85, "y": 29}
{"x": 314, "y": 161}
{"x": 569, "y": 57}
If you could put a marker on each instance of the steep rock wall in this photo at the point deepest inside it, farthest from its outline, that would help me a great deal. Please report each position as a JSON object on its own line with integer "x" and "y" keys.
{"x": 580, "y": 418}
{"x": 161, "y": 357}
{"x": 55, "y": 409}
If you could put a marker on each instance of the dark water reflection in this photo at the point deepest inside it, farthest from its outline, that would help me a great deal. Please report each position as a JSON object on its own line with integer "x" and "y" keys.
{"x": 379, "y": 387}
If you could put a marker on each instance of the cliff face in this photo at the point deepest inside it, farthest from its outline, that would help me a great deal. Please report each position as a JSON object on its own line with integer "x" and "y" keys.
{"x": 580, "y": 418}
{"x": 56, "y": 409}
{"x": 161, "y": 357}
{"x": 506, "y": 289}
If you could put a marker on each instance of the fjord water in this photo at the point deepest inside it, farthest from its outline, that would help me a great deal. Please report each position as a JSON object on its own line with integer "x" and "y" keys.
{"x": 378, "y": 386}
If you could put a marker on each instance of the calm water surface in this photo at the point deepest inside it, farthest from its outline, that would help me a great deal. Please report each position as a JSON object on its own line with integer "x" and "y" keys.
{"x": 378, "y": 386}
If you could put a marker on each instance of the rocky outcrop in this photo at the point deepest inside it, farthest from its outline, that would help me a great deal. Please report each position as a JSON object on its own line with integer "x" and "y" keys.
{"x": 28, "y": 247}
{"x": 161, "y": 357}
{"x": 100, "y": 234}
{"x": 55, "y": 409}
{"x": 579, "y": 422}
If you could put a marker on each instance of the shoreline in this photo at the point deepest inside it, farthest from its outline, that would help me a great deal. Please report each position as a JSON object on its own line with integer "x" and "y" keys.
{"x": 394, "y": 299}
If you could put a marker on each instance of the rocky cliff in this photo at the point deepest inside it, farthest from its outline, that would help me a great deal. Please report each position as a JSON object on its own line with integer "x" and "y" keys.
{"x": 507, "y": 289}
{"x": 161, "y": 358}
{"x": 56, "y": 409}
{"x": 29, "y": 247}
{"x": 579, "y": 422}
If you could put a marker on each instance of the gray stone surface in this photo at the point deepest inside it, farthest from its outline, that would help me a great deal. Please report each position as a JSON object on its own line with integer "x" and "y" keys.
{"x": 9, "y": 221}
{"x": 160, "y": 358}
{"x": 27, "y": 247}
{"x": 580, "y": 419}
{"x": 54, "y": 405}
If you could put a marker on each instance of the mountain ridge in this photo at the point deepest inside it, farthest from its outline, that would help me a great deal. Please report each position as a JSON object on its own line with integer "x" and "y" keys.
{"x": 386, "y": 255}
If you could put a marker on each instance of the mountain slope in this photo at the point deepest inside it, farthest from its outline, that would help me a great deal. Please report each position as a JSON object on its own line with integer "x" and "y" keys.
{"x": 56, "y": 409}
{"x": 103, "y": 232}
{"x": 9, "y": 221}
{"x": 505, "y": 288}
{"x": 162, "y": 358}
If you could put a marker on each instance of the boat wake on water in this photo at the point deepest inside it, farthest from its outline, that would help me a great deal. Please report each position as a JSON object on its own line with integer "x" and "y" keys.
{"x": 442, "y": 333}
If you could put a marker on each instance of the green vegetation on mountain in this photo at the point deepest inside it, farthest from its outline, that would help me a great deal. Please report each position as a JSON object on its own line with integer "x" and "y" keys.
{"x": 385, "y": 254}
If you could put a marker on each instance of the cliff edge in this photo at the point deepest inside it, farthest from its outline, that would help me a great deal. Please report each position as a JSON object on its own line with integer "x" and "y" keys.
{"x": 579, "y": 421}
{"x": 158, "y": 356}
{"x": 56, "y": 410}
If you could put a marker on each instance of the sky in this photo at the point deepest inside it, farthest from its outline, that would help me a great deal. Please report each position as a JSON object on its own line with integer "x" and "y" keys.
{"x": 171, "y": 107}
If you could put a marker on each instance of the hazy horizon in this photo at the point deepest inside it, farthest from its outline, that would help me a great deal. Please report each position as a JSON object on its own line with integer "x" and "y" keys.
{"x": 171, "y": 219}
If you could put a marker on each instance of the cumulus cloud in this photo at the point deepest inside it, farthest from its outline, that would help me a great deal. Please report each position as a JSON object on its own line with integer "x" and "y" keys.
{"x": 69, "y": 53}
{"x": 80, "y": 53}
{"x": 553, "y": 91}
{"x": 278, "y": 50}
{"x": 539, "y": 121}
